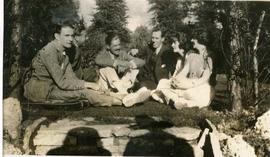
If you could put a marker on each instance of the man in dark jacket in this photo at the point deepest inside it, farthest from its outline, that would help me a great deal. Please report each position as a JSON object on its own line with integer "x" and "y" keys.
{"x": 160, "y": 61}
{"x": 53, "y": 78}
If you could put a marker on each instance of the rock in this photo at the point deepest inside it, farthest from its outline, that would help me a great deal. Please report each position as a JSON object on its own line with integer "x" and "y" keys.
{"x": 89, "y": 119}
{"x": 223, "y": 136}
{"x": 43, "y": 150}
{"x": 215, "y": 145}
{"x": 12, "y": 117}
{"x": 29, "y": 131}
{"x": 106, "y": 142}
{"x": 203, "y": 138}
{"x": 211, "y": 126}
{"x": 53, "y": 139}
{"x": 197, "y": 151}
{"x": 123, "y": 131}
{"x": 123, "y": 141}
{"x": 186, "y": 133}
{"x": 10, "y": 149}
{"x": 137, "y": 133}
{"x": 237, "y": 147}
{"x": 262, "y": 125}
{"x": 112, "y": 149}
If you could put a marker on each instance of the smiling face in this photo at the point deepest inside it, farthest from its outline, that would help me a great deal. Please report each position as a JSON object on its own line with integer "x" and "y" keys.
{"x": 115, "y": 46}
{"x": 176, "y": 46}
{"x": 157, "y": 39}
{"x": 65, "y": 37}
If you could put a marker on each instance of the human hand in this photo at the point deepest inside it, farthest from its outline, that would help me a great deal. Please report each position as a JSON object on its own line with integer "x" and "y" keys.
{"x": 92, "y": 85}
{"x": 122, "y": 69}
{"x": 175, "y": 83}
{"x": 133, "y": 52}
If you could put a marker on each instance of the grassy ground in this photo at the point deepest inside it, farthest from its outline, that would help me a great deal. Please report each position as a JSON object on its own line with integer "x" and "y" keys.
{"x": 218, "y": 113}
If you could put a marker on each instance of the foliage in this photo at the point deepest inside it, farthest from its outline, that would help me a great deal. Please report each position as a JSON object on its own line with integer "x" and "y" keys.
{"x": 92, "y": 45}
{"x": 37, "y": 16}
{"x": 217, "y": 19}
{"x": 140, "y": 38}
{"x": 110, "y": 17}
{"x": 168, "y": 15}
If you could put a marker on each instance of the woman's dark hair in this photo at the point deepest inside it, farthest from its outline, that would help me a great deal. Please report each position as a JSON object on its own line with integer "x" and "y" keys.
{"x": 183, "y": 40}
{"x": 110, "y": 36}
{"x": 201, "y": 35}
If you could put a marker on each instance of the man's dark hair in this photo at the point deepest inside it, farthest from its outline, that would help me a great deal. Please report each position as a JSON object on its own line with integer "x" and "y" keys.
{"x": 156, "y": 29}
{"x": 68, "y": 23}
{"x": 110, "y": 37}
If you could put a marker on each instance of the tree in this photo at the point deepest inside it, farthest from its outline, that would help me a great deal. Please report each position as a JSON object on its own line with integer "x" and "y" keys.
{"x": 235, "y": 44}
{"x": 28, "y": 27}
{"x": 168, "y": 15}
{"x": 140, "y": 38}
{"x": 111, "y": 17}
{"x": 15, "y": 43}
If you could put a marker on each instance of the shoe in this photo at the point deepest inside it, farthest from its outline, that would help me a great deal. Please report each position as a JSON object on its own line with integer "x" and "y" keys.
{"x": 140, "y": 96}
{"x": 157, "y": 95}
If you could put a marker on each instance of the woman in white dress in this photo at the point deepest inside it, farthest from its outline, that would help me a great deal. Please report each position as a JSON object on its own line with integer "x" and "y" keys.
{"x": 189, "y": 86}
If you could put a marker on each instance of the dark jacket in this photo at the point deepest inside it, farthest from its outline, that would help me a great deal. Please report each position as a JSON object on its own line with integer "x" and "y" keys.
{"x": 158, "y": 66}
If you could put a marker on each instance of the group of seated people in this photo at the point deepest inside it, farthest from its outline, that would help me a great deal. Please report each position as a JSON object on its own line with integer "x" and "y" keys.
{"x": 175, "y": 74}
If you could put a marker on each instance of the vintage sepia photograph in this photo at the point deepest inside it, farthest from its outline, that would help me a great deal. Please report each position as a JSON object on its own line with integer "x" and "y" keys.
{"x": 184, "y": 78}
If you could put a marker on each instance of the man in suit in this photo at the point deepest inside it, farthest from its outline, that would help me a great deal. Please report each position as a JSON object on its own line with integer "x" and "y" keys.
{"x": 160, "y": 61}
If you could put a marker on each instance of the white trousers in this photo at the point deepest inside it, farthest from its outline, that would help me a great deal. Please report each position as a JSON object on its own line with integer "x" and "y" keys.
{"x": 199, "y": 96}
{"x": 108, "y": 78}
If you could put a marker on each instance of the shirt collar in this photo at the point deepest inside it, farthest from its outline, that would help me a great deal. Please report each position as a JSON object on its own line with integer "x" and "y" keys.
{"x": 58, "y": 46}
{"x": 158, "y": 49}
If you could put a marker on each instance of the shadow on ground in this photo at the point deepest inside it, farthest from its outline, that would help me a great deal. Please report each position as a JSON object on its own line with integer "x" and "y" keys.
{"x": 156, "y": 142}
{"x": 81, "y": 141}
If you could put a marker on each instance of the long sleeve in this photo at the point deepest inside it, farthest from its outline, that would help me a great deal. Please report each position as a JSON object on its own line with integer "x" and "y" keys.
{"x": 62, "y": 77}
{"x": 104, "y": 59}
{"x": 137, "y": 61}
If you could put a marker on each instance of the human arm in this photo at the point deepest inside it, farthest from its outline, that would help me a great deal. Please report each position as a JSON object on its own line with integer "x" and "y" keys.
{"x": 134, "y": 62}
{"x": 181, "y": 81}
{"x": 185, "y": 83}
{"x": 104, "y": 59}
{"x": 64, "y": 78}
{"x": 92, "y": 85}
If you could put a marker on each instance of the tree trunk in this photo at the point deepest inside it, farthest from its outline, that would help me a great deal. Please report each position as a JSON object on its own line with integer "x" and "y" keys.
{"x": 16, "y": 44}
{"x": 235, "y": 86}
{"x": 255, "y": 61}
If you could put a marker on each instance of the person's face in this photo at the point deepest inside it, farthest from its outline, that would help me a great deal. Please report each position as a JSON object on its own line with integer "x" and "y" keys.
{"x": 176, "y": 48}
{"x": 65, "y": 37}
{"x": 198, "y": 46}
{"x": 157, "y": 39}
{"x": 115, "y": 46}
